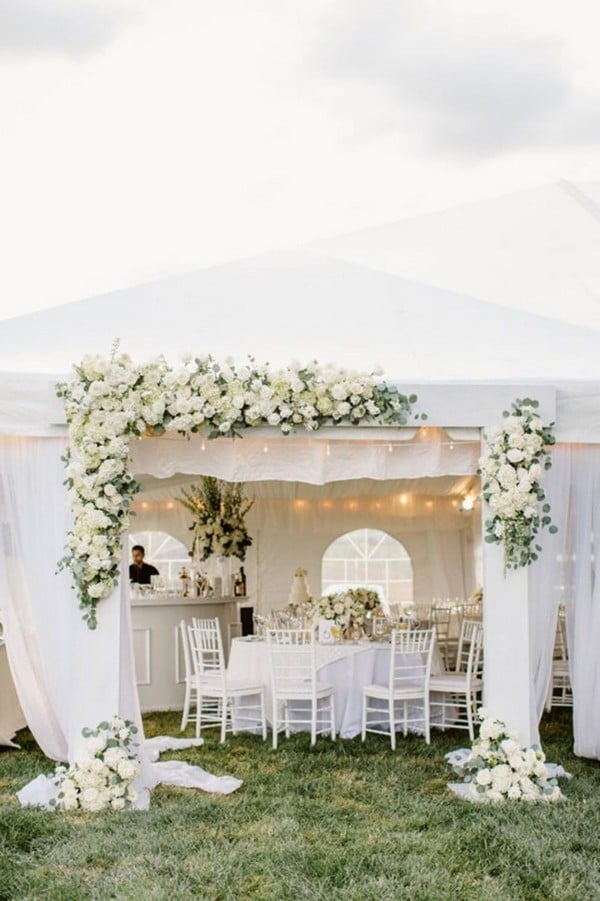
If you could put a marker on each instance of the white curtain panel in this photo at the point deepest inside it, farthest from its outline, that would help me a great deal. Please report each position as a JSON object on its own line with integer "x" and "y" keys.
{"x": 36, "y": 603}
{"x": 567, "y": 572}
{"x": 66, "y": 675}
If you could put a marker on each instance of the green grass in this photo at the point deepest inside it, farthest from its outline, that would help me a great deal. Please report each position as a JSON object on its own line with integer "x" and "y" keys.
{"x": 340, "y": 821}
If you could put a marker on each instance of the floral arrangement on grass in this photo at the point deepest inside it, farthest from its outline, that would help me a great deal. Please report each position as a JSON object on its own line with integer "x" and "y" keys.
{"x": 348, "y": 608}
{"x": 111, "y": 400}
{"x": 499, "y": 769}
{"x": 219, "y": 510}
{"x": 511, "y": 472}
{"x": 104, "y": 771}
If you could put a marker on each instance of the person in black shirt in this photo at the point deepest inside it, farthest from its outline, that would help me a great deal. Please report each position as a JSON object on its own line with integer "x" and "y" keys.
{"x": 139, "y": 571}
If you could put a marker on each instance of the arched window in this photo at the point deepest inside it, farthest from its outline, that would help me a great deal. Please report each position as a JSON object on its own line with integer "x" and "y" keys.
{"x": 163, "y": 551}
{"x": 371, "y": 558}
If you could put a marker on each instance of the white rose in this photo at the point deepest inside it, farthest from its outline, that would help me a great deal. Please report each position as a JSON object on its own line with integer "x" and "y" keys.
{"x": 484, "y": 777}
{"x": 128, "y": 768}
{"x": 514, "y": 455}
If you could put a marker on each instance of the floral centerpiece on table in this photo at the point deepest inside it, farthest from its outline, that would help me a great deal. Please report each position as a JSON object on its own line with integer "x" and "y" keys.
{"x": 511, "y": 472}
{"x": 219, "y": 511}
{"x": 104, "y": 771}
{"x": 499, "y": 769}
{"x": 348, "y": 609}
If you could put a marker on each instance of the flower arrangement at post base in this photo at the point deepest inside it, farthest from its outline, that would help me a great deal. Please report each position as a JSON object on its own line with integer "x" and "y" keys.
{"x": 348, "y": 609}
{"x": 104, "y": 771}
{"x": 111, "y": 400}
{"x": 511, "y": 471}
{"x": 219, "y": 510}
{"x": 499, "y": 769}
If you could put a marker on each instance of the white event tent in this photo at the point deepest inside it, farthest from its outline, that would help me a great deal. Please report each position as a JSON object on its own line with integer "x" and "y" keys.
{"x": 469, "y": 308}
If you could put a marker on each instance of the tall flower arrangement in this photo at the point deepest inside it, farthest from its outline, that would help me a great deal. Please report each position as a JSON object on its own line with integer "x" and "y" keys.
{"x": 112, "y": 399}
{"x": 517, "y": 455}
{"x": 219, "y": 512}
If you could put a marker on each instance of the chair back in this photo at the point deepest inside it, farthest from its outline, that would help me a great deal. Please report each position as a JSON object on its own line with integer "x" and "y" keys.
{"x": 475, "y": 660}
{"x": 206, "y": 648}
{"x": 561, "y": 651}
{"x": 292, "y": 659}
{"x": 410, "y": 658}
{"x": 185, "y": 643}
{"x": 469, "y": 630}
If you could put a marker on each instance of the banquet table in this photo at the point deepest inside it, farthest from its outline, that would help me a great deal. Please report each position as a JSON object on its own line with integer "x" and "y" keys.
{"x": 11, "y": 715}
{"x": 347, "y": 666}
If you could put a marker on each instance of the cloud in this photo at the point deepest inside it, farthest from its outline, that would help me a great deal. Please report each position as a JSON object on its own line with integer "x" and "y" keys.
{"x": 73, "y": 28}
{"x": 460, "y": 89}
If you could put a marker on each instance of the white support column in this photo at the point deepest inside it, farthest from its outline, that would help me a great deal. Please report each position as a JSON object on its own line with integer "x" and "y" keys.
{"x": 508, "y": 693}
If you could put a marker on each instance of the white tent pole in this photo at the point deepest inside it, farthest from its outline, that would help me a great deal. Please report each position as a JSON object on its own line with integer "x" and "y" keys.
{"x": 508, "y": 685}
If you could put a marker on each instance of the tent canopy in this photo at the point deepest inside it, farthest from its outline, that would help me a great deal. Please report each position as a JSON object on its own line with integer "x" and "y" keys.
{"x": 504, "y": 290}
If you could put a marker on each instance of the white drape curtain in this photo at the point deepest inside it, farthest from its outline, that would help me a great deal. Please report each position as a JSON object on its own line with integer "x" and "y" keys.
{"x": 66, "y": 676}
{"x": 567, "y": 572}
{"x": 35, "y": 601}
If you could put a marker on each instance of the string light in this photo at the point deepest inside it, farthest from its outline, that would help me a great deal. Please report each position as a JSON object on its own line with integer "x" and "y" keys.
{"x": 265, "y": 449}
{"x": 328, "y": 450}
{"x": 390, "y": 448}
{"x": 203, "y": 446}
{"x": 404, "y": 499}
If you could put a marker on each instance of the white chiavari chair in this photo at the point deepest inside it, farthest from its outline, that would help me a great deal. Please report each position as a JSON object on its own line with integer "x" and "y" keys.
{"x": 411, "y": 656}
{"x": 294, "y": 684}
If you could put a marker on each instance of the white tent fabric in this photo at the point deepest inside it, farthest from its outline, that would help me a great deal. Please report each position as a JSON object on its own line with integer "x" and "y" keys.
{"x": 535, "y": 251}
{"x": 503, "y": 289}
{"x": 505, "y": 292}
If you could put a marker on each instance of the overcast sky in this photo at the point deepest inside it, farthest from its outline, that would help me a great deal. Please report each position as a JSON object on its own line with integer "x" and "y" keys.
{"x": 140, "y": 138}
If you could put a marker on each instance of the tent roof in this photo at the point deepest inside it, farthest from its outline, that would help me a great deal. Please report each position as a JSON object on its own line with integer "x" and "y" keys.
{"x": 536, "y": 251}
{"x": 507, "y": 290}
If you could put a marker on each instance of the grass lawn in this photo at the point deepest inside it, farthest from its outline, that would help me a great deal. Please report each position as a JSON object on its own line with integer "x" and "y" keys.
{"x": 344, "y": 820}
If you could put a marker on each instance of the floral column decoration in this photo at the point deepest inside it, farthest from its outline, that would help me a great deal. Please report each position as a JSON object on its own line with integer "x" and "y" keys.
{"x": 517, "y": 455}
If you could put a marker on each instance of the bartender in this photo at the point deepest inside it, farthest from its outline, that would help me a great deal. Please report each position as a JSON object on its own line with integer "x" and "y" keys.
{"x": 139, "y": 571}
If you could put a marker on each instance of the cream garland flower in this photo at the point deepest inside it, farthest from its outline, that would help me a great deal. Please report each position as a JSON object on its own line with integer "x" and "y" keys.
{"x": 511, "y": 471}
{"x": 111, "y": 400}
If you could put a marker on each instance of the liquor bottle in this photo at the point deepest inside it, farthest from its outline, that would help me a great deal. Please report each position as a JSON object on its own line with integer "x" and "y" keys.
{"x": 241, "y": 583}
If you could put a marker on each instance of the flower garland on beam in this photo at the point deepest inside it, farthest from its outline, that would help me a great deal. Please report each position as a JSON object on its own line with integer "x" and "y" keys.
{"x": 511, "y": 472}
{"x": 111, "y": 400}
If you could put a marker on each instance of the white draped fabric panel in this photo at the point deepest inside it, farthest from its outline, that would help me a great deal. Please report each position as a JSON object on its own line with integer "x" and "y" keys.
{"x": 36, "y": 604}
{"x": 360, "y": 454}
{"x": 567, "y": 571}
{"x": 66, "y": 676}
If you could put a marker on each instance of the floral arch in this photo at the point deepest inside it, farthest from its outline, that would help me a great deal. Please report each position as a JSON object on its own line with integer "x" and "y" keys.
{"x": 111, "y": 401}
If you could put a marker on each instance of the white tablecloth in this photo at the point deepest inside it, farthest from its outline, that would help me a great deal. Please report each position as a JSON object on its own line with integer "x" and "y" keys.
{"x": 11, "y": 715}
{"x": 348, "y": 667}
